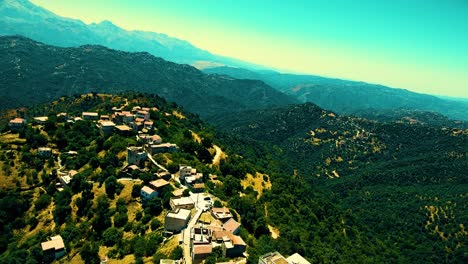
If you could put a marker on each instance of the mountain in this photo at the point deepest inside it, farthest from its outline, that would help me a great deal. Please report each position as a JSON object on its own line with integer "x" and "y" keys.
{"x": 349, "y": 97}
{"x": 404, "y": 183}
{"x": 21, "y": 17}
{"x": 32, "y": 72}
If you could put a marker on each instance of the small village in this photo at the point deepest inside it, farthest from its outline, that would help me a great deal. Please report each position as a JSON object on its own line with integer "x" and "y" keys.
{"x": 198, "y": 219}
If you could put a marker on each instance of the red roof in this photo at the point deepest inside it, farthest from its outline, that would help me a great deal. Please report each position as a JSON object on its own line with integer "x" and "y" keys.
{"x": 202, "y": 249}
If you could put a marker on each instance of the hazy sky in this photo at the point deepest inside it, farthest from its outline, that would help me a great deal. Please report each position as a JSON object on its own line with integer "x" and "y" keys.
{"x": 420, "y": 45}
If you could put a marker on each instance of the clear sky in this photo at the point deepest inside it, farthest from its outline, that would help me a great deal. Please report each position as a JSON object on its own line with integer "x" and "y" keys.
{"x": 420, "y": 45}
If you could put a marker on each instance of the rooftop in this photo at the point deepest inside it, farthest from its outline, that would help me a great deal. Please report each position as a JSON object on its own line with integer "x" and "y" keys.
{"x": 231, "y": 225}
{"x": 221, "y": 212}
{"x": 297, "y": 259}
{"x": 147, "y": 190}
{"x": 159, "y": 183}
{"x": 202, "y": 249}
{"x": 123, "y": 128}
{"x": 179, "y": 214}
{"x": 274, "y": 258}
{"x": 55, "y": 242}
{"x": 182, "y": 201}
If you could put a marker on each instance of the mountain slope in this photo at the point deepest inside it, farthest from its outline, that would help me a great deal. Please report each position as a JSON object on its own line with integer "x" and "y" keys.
{"x": 21, "y": 17}
{"x": 33, "y": 72}
{"x": 349, "y": 97}
{"x": 407, "y": 182}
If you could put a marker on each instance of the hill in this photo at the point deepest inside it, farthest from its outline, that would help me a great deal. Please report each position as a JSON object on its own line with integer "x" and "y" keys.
{"x": 405, "y": 183}
{"x": 349, "y": 97}
{"x": 299, "y": 179}
{"x": 32, "y": 72}
{"x": 21, "y": 17}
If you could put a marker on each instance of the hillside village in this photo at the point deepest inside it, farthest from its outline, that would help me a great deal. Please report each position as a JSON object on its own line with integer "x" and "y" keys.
{"x": 196, "y": 219}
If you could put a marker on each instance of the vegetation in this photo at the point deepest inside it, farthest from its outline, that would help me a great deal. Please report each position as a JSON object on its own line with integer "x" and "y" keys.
{"x": 332, "y": 188}
{"x": 51, "y": 72}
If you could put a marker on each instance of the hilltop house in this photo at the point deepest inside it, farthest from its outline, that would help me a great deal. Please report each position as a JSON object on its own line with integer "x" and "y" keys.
{"x": 232, "y": 226}
{"x": 44, "y": 152}
{"x": 158, "y": 184}
{"x": 177, "y": 220}
{"x": 40, "y": 119}
{"x": 107, "y": 127}
{"x": 181, "y": 203}
{"x": 146, "y": 193}
{"x": 53, "y": 249}
{"x": 90, "y": 116}
{"x": 17, "y": 123}
{"x": 163, "y": 148}
{"x": 221, "y": 213}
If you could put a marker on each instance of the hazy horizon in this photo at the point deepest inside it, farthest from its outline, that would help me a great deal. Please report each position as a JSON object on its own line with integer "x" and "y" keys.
{"x": 420, "y": 46}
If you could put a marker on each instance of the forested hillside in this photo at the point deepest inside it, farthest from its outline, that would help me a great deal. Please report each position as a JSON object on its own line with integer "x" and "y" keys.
{"x": 402, "y": 184}
{"x": 32, "y": 72}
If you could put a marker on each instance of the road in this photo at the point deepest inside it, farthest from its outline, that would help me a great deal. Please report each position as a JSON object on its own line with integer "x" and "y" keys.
{"x": 192, "y": 222}
{"x": 155, "y": 163}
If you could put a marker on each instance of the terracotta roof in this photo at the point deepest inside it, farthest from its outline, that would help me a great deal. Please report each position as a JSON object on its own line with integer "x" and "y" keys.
{"x": 202, "y": 249}
{"x": 17, "y": 120}
{"x": 231, "y": 225}
{"x": 221, "y": 212}
{"x": 220, "y": 234}
{"x": 237, "y": 240}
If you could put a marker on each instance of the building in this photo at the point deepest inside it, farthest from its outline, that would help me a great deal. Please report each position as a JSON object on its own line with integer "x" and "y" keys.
{"x": 164, "y": 175}
{"x": 65, "y": 180}
{"x": 136, "y": 155}
{"x": 44, "y": 152}
{"x": 107, "y": 127}
{"x": 158, "y": 184}
{"x": 151, "y": 140}
{"x": 182, "y": 203}
{"x": 143, "y": 114}
{"x": 163, "y": 148}
{"x": 221, "y": 213}
{"x": 297, "y": 259}
{"x": 40, "y": 119}
{"x": 90, "y": 116}
{"x": 148, "y": 124}
{"x": 177, "y": 220}
{"x": 233, "y": 246}
{"x": 232, "y": 226}
{"x": 17, "y": 123}
{"x": 198, "y": 187}
{"x": 200, "y": 252}
{"x": 189, "y": 175}
{"x": 123, "y": 130}
{"x": 146, "y": 193}
{"x": 178, "y": 193}
{"x": 53, "y": 249}
{"x": 272, "y": 258}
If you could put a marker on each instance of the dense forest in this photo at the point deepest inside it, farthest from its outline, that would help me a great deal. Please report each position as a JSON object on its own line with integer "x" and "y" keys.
{"x": 334, "y": 189}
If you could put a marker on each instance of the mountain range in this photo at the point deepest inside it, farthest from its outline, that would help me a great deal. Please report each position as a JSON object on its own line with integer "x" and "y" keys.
{"x": 32, "y": 72}
{"x": 21, "y": 17}
{"x": 349, "y": 97}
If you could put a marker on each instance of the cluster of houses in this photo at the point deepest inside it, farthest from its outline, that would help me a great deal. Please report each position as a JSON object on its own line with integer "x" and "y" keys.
{"x": 221, "y": 230}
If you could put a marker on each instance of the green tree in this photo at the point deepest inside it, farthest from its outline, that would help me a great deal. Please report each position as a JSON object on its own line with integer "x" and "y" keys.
{"x": 112, "y": 236}
{"x": 90, "y": 253}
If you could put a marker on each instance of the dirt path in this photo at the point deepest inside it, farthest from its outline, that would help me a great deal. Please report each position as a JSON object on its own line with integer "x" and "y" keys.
{"x": 219, "y": 154}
